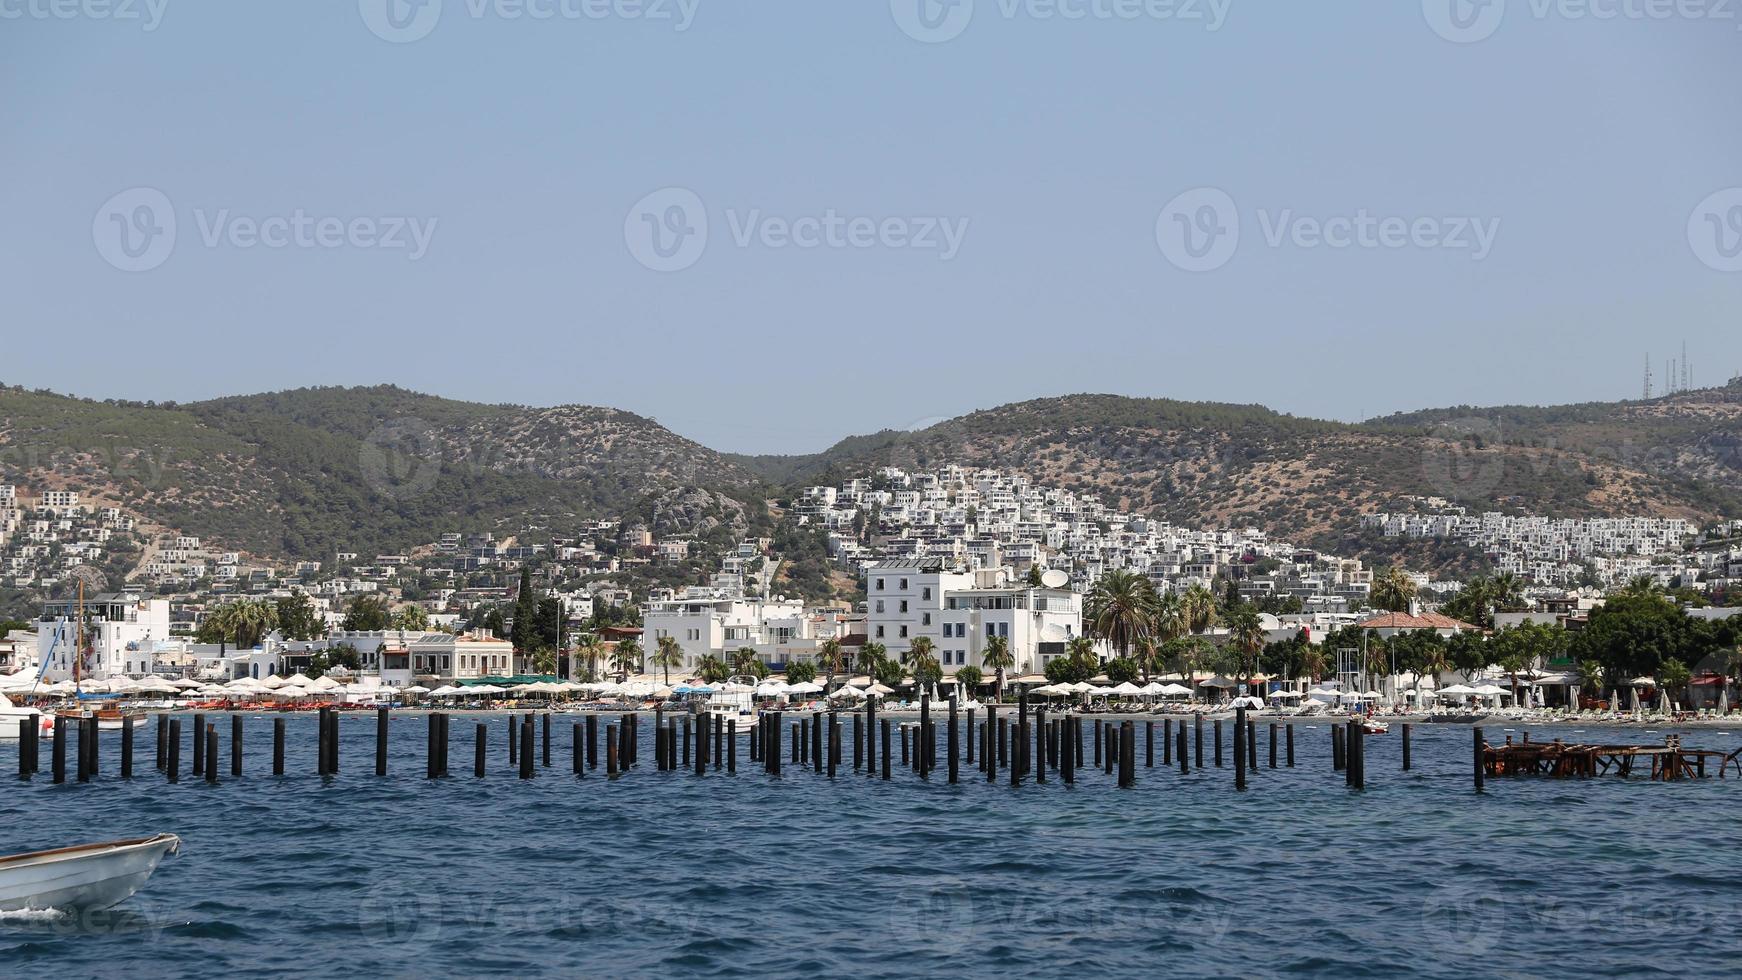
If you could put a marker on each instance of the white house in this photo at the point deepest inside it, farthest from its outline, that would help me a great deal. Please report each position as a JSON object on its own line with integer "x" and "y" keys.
{"x": 121, "y": 630}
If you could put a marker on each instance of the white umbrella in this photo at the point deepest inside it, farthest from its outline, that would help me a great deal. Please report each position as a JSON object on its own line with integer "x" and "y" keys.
{"x": 1247, "y": 701}
{"x": 808, "y": 687}
{"x": 272, "y": 682}
{"x": 415, "y": 689}
{"x": 484, "y": 691}
{"x": 770, "y": 689}
{"x": 325, "y": 684}
{"x": 298, "y": 680}
{"x": 1175, "y": 691}
{"x": 1128, "y": 690}
{"x": 879, "y": 690}
{"x": 848, "y": 692}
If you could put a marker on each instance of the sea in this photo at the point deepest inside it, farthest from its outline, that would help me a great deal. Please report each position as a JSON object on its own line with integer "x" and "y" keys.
{"x": 749, "y": 874}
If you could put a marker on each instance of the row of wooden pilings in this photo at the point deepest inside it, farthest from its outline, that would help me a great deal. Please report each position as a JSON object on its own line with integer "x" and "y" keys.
{"x": 1018, "y": 745}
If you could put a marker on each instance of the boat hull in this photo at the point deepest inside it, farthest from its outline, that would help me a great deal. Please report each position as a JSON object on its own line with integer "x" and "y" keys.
{"x": 94, "y": 876}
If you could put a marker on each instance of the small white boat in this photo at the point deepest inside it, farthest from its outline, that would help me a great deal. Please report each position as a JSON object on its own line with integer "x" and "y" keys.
{"x": 11, "y": 715}
{"x": 89, "y": 876}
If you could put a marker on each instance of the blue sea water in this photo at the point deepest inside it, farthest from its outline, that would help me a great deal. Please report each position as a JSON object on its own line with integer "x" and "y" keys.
{"x": 747, "y": 874}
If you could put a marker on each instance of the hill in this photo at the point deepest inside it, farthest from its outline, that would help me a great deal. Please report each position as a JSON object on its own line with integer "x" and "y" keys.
{"x": 303, "y": 473}
{"x": 1213, "y": 465}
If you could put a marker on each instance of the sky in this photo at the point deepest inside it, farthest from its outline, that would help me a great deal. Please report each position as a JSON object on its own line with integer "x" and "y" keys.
{"x": 769, "y": 224}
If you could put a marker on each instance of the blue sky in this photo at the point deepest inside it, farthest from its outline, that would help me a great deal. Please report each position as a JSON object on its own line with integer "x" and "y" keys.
{"x": 986, "y": 208}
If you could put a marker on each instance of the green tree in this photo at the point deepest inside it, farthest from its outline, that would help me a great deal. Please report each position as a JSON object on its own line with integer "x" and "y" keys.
{"x": 410, "y": 617}
{"x": 368, "y": 614}
{"x": 830, "y": 656}
{"x": 1394, "y": 590}
{"x": 1674, "y": 676}
{"x": 524, "y": 629}
{"x": 888, "y": 672}
{"x": 1120, "y": 608}
{"x": 297, "y": 619}
{"x": 1121, "y": 670}
{"x": 712, "y": 669}
{"x": 969, "y": 677}
{"x": 1246, "y": 637}
{"x": 589, "y": 651}
{"x": 998, "y": 658}
{"x": 667, "y": 653}
{"x": 870, "y": 655}
{"x": 627, "y": 654}
{"x": 800, "y": 672}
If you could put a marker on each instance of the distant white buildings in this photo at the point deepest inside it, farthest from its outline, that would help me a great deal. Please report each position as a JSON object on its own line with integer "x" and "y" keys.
{"x": 706, "y": 622}
{"x": 1553, "y": 551}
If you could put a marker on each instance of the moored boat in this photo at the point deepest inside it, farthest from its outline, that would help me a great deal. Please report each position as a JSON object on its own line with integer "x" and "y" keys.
{"x": 11, "y": 715}
{"x": 87, "y": 876}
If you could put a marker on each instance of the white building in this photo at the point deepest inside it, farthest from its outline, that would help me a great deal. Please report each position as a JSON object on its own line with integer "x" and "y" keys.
{"x": 905, "y": 600}
{"x": 705, "y": 622}
{"x": 121, "y": 631}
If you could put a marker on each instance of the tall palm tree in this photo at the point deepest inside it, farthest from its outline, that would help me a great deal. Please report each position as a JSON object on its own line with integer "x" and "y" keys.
{"x": 590, "y": 650}
{"x": 627, "y": 654}
{"x": 744, "y": 660}
{"x": 1120, "y": 608}
{"x": 1394, "y": 590}
{"x": 1435, "y": 661}
{"x": 1081, "y": 650}
{"x": 870, "y": 655}
{"x": 921, "y": 646}
{"x": 1172, "y": 618}
{"x": 1199, "y": 606}
{"x": 1246, "y": 633}
{"x": 997, "y": 656}
{"x": 668, "y": 653}
{"x": 1313, "y": 663}
{"x": 829, "y": 655}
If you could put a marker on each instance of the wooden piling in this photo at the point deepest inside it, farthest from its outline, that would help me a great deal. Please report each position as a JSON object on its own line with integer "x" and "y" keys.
{"x": 610, "y": 750}
{"x": 970, "y": 736}
{"x": 1198, "y": 740}
{"x": 1127, "y": 754}
{"x": 1180, "y": 749}
{"x": 1406, "y": 728}
{"x": 1273, "y": 727}
{"x": 924, "y": 724}
{"x": 1477, "y": 769}
{"x": 1336, "y": 747}
{"x": 1098, "y": 734}
{"x": 1251, "y": 746}
{"x": 162, "y": 730}
{"x": 885, "y": 734}
{"x": 545, "y": 759}
{"x": 1067, "y": 756}
{"x": 1358, "y": 741}
{"x": 1218, "y": 743}
{"x": 1289, "y": 739}
{"x": 1112, "y": 755}
{"x": 380, "y": 741}
{"x": 82, "y": 762}
{"x": 1039, "y": 746}
{"x": 172, "y": 763}
{"x": 526, "y": 766}
{"x": 211, "y": 755}
{"x": 1149, "y": 745}
{"x": 592, "y": 741}
{"x": 514, "y": 742}
{"x": 834, "y": 745}
{"x": 277, "y": 746}
{"x": 429, "y": 746}
{"x": 951, "y": 738}
{"x": 333, "y": 741}
{"x": 686, "y": 744}
{"x": 199, "y": 753}
{"x": 1240, "y": 748}
{"x": 126, "y": 746}
{"x": 578, "y": 749}
{"x": 1167, "y": 742}
{"x": 732, "y": 745}
{"x": 235, "y": 744}
{"x": 480, "y": 750}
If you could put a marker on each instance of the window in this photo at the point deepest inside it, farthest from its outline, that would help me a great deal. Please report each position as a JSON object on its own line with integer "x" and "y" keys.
{"x": 880, "y": 585}
{"x": 925, "y": 593}
{"x": 904, "y": 605}
{"x": 1004, "y": 629}
{"x": 904, "y": 632}
{"x": 879, "y": 605}
{"x": 991, "y": 630}
{"x": 904, "y": 585}
{"x": 880, "y": 632}
{"x": 925, "y": 619}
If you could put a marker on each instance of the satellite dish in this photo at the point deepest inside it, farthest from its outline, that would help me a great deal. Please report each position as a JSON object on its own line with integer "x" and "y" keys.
{"x": 1054, "y": 578}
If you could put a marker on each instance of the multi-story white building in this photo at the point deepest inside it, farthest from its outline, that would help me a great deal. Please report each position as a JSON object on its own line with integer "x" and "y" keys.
{"x": 706, "y": 622}
{"x": 121, "y": 630}
{"x": 1036, "y": 622}
{"x": 905, "y": 600}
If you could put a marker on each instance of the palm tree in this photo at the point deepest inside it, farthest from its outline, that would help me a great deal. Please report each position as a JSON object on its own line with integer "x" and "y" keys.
{"x": 921, "y": 646}
{"x": 667, "y": 654}
{"x": 1172, "y": 618}
{"x": 997, "y": 656}
{"x": 744, "y": 661}
{"x": 829, "y": 655}
{"x": 1146, "y": 655}
{"x": 1313, "y": 663}
{"x": 626, "y": 655}
{"x": 1591, "y": 675}
{"x": 1199, "y": 608}
{"x": 1081, "y": 650}
{"x": 870, "y": 655}
{"x": 1246, "y": 632}
{"x": 590, "y": 650}
{"x": 1394, "y": 590}
{"x": 712, "y": 669}
{"x": 1435, "y": 661}
{"x": 924, "y": 666}
{"x": 1121, "y": 609}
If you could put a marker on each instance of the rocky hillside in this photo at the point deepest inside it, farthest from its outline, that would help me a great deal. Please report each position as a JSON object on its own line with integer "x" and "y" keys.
{"x": 304, "y": 473}
{"x": 1219, "y": 465}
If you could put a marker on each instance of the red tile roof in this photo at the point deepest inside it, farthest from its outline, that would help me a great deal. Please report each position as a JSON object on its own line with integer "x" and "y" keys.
{"x": 1424, "y": 621}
